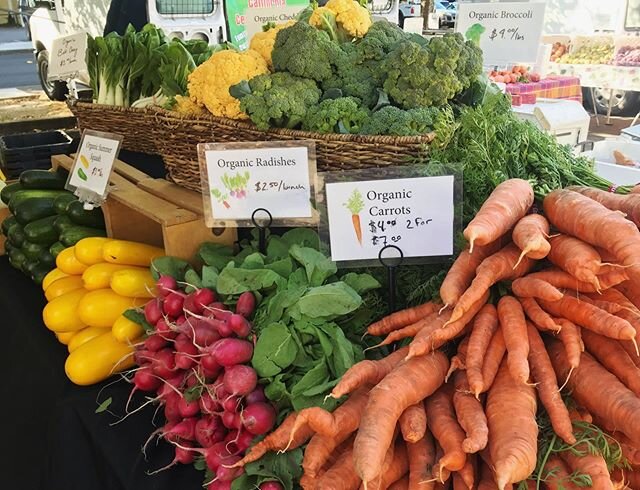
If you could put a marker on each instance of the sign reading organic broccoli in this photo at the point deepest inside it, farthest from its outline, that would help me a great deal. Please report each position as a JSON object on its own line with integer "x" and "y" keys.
{"x": 247, "y": 17}
{"x": 508, "y": 33}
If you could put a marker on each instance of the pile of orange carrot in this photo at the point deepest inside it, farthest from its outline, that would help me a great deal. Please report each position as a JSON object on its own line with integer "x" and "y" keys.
{"x": 569, "y": 323}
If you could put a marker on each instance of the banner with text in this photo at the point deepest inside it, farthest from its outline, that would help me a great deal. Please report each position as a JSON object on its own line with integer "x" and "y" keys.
{"x": 240, "y": 178}
{"x": 508, "y": 33}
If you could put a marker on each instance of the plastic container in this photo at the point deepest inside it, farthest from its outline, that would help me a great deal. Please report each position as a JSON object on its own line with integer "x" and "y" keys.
{"x": 19, "y": 152}
{"x": 605, "y": 165}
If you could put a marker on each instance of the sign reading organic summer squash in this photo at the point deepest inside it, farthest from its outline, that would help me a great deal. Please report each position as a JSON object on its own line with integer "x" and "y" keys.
{"x": 414, "y": 214}
{"x": 507, "y": 32}
{"x": 246, "y": 17}
{"x": 242, "y": 182}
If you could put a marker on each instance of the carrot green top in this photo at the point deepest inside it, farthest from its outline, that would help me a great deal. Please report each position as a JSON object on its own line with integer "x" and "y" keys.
{"x": 355, "y": 204}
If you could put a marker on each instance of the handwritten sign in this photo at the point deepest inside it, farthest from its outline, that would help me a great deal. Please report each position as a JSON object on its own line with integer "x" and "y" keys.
{"x": 68, "y": 56}
{"x": 414, "y": 214}
{"x": 239, "y": 178}
{"x": 92, "y": 167}
{"x": 507, "y": 32}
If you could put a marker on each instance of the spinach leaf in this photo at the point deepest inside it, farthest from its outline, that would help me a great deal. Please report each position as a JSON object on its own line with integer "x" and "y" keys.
{"x": 361, "y": 283}
{"x": 215, "y": 254}
{"x": 317, "y": 265}
{"x": 305, "y": 237}
{"x": 330, "y": 300}
{"x": 274, "y": 351}
{"x": 319, "y": 374}
{"x": 209, "y": 277}
{"x": 282, "y": 267}
{"x": 193, "y": 280}
{"x": 253, "y": 261}
{"x": 169, "y": 266}
{"x": 277, "y": 249}
{"x": 235, "y": 281}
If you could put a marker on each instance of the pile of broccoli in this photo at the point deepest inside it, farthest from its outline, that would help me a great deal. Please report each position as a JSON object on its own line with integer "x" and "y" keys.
{"x": 386, "y": 83}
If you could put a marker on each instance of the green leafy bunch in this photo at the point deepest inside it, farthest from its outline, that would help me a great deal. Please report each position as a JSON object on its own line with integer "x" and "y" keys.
{"x": 395, "y": 121}
{"x": 341, "y": 115}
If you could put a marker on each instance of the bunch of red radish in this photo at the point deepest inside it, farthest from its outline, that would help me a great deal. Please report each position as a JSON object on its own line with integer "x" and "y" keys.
{"x": 196, "y": 362}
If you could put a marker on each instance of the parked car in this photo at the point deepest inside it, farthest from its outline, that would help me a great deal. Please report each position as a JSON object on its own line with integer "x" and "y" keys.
{"x": 409, "y": 8}
{"x": 447, "y": 13}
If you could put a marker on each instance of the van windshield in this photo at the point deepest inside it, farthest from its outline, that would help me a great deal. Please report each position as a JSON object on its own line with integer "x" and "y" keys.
{"x": 185, "y": 7}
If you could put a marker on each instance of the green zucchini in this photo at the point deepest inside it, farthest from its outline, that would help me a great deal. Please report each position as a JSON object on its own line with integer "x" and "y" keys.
{"x": 45, "y": 258}
{"x": 72, "y": 235}
{"x": 32, "y": 250}
{"x": 17, "y": 258}
{"x": 56, "y": 248}
{"x": 8, "y": 247}
{"x": 28, "y": 265}
{"x": 8, "y": 191}
{"x": 7, "y": 223}
{"x": 42, "y": 231}
{"x": 80, "y": 216}
{"x": 61, "y": 203}
{"x": 34, "y": 209}
{"x": 62, "y": 223}
{"x": 16, "y": 235}
{"x": 22, "y": 195}
{"x": 39, "y": 272}
{"x": 41, "y": 180}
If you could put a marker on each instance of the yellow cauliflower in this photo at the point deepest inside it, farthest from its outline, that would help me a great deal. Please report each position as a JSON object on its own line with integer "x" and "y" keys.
{"x": 209, "y": 83}
{"x": 352, "y": 17}
{"x": 263, "y": 42}
{"x": 184, "y": 105}
{"x": 340, "y": 6}
{"x": 320, "y": 15}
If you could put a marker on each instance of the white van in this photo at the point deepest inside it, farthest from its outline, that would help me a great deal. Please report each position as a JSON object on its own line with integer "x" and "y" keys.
{"x": 193, "y": 19}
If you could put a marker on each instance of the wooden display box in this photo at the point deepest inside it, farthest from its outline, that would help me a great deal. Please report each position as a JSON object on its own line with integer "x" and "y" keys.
{"x": 155, "y": 211}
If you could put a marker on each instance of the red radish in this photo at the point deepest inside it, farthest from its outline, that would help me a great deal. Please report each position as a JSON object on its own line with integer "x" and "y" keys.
{"x": 244, "y": 440}
{"x": 208, "y": 404}
{"x": 210, "y": 366}
{"x": 184, "y": 360}
{"x": 225, "y": 472}
{"x": 180, "y": 320}
{"x": 240, "y": 379}
{"x": 203, "y": 297}
{"x": 231, "y": 420}
{"x": 229, "y": 352}
{"x": 246, "y": 304}
{"x": 219, "y": 391}
{"x": 163, "y": 364}
{"x": 188, "y": 408}
{"x": 256, "y": 395}
{"x": 153, "y": 311}
{"x": 173, "y": 305}
{"x": 142, "y": 357}
{"x": 155, "y": 342}
{"x": 175, "y": 381}
{"x": 185, "y": 350}
{"x": 202, "y": 334}
{"x": 224, "y": 329}
{"x": 271, "y": 485}
{"x": 239, "y": 324}
{"x": 219, "y": 485}
{"x": 144, "y": 380}
{"x": 184, "y": 456}
{"x": 163, "y": 328}
{"x": 206, "y": 428}
{"x": 166, "y": 285}
{"x": 258, "y": 418}
{"x": 191, "y": 380}
{"x": 215, "y": 454}
{"x": 171, "y": 411}
{"x": 184, "y": 430}
{"x": 231, "y": 403}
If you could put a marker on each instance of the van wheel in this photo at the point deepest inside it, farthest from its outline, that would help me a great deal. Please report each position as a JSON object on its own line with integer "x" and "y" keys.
{"x": 401, "y": 19}
{"x": 54, "y": 90}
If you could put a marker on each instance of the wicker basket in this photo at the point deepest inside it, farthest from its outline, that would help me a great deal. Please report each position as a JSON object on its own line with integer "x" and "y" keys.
{"x": 137, "y": 126}
{"x": 180, "y": 134}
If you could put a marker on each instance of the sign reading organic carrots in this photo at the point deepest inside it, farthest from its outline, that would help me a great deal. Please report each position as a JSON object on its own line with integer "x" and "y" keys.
{"x": 414, "y": 214}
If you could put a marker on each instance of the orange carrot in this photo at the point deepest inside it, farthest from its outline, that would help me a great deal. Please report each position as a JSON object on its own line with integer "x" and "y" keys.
{"x": 497, "y": 267}
{"x": 571, "y": 338}
{"x": 367, "y": 372}
{"x": 487, "y": 481}
{"x": 508, "y": 202}
{"x": 401, "y": 484}
{"x": 630, "y": 349}
{"x": 470, "y": 415}
{"x": 599, "y": 391}
{"x": 511, "y": 414}
{"x": 463, "y": 271}
{"x": 421, "y": 343}
{"x": 401, "y": 319}
{"x": 631, "y": 292}
{"x": 613, "y": 295}
{"x": 342, "y": 475}
{"x": 530, "y": 235}
{"x": 444, "y": 426}
{"x": 397, "y": 469}
{"x": 459, "y": 360}
{"x": 581, "y": 415}
{"x": 485, "y": 325}
{"x": 410, "y": 330}
{"x": 468, "y": 472}
{"x": 588, "y": 464}
{"x": 556, "y": 474}
{"x": 422, "y": 456}
{"x": 627, "y": 479}
{"x": 538, "y": 316}
{"x": 590, "y": 221}
{"x": 612, "y": 356}
{"x": 410, "y": 382}
{"x": 629, "y": 204}
{"x": 576, "y": 257}
{"x": 458, "y": 483}
{"x": 547, "y": 386}
{"x": 376, "y": 484}
{"x": 590, "y": 317}
{"x": 438, "y": 471}
{"x": 530, "y": 287}
{"x": 493, "y": 360}
{"x": 514, "y": 330}
{"x": 413, "y": 423}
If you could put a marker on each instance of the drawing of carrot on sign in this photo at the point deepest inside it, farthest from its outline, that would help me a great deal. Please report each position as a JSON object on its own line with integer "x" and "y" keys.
{"x": 355, "y": 204}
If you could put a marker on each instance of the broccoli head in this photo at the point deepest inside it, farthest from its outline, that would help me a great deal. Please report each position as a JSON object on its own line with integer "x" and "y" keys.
{"x": 277, "y": 99}
{"x": 394, "y": 121}
{"x": 474, "y": 33}
{"x": 305, "y": 51}
{"x": 379, "y": 40}
{"x": 341, "y": 115}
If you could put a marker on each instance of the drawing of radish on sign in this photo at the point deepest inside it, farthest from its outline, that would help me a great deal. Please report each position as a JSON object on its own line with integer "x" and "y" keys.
{"x": 355, "y": 204}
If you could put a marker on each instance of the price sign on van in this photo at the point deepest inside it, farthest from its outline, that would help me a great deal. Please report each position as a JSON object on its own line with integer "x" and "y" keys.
{"x": 507, "y": 32}
{"x": 67, "y": 57}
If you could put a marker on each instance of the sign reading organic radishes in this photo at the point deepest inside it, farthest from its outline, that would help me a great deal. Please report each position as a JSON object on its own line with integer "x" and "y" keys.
{"x": 240, "y": 178}
{"x": 414, "y": 214}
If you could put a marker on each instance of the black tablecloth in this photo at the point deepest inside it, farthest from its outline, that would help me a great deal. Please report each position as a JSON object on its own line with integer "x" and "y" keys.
{"x": 52, "y": 437}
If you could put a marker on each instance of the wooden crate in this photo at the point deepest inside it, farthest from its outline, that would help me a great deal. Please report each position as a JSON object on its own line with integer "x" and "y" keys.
{"x": 155, "y": 211}
{"x": 4, "y": 213}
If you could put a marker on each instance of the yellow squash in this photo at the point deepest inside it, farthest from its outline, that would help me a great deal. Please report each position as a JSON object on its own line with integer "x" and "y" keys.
{"x": 63, "y": 286}
{"x": 84, "y": 336}
{"x": 67, "y": 262}
{"x": 124, "y": 330}
{"x": 130, "y": 253}
{"x": 98, "y": 359}
{"x": 52, "y": 277}
{"x": 61, "y": 314}
{"x": 65, "y": 337}
{"x": 98, "y": 276}
{"x": 134, "y": 283}
{"x": 89, "y": 250}
{"x": 101, "y": 308}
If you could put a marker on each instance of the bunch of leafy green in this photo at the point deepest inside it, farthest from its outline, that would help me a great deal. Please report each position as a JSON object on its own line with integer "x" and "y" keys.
{"x": 277, "y": 99}
{"x": 285, "y": 468}
{"x": 341, "y": 115}
{"x": 308, "y": 320}
{"x": 395, "y": 121}
{"x": 432, "y": 74}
